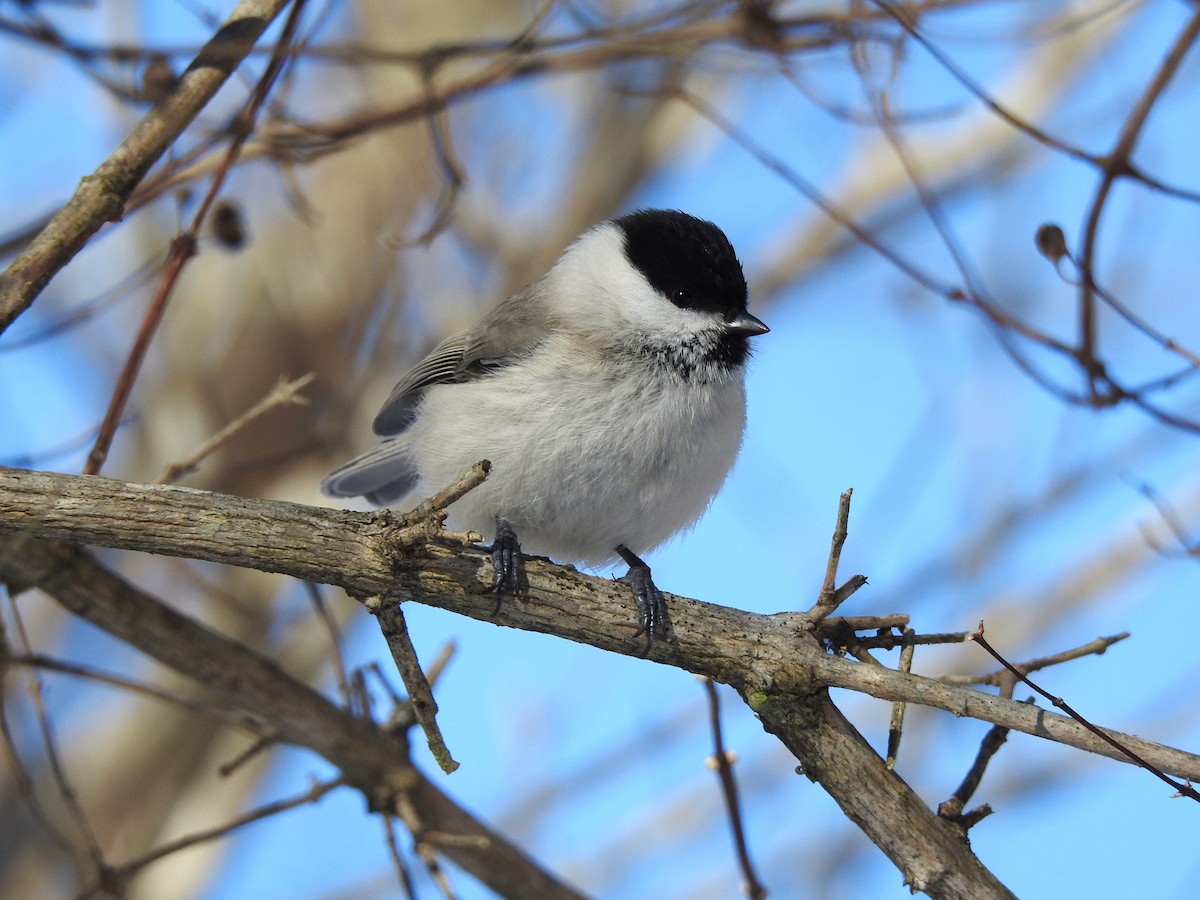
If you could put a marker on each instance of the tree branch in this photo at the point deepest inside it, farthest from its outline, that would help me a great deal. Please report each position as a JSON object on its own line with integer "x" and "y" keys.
{"x": 372, "y": 759}
{"x": 101, "y": 196}
{"x": 774, "y": 661}
{"x": 404, "y": 557}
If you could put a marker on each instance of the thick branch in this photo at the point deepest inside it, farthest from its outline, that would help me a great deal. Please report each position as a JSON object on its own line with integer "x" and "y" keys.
{"x": 376, "y": 553}
{"x": 373, "y": 760}
{"x": 938, "y": 861}
{"x": 774, "y": 661}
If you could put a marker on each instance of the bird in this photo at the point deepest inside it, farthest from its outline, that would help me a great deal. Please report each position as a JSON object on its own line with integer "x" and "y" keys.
{"x": 609, "y": 396}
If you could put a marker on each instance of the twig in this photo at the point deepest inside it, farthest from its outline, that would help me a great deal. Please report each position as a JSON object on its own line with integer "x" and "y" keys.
{"x": 1183, "y": 789}
{"x": 284, "y": 393}
{"x": 335, "y": 641}
{"x": 183, "y": 246}
{"x": 840, "y": 533}
{"x": 403, "y": 714}
{"x": 722, "y": 762}
{"x": 420, "y": 694}
{"x": 435, "y": 669}
{"x": 830, "y": 599}
{"x": 312, "y": 795}
{"x": 436, "y": 872}
{"x": 952, "y": 808}
{"x": 265, "y": 742}
{"x": 66, "y": 790}
{"x": 468, "y": 481}
{"x": 24, "y": 784}
{"x": 192, "y": 704}
{"x": 892, "y": 641}
{"x": 1004, "y": 677}
{"x": 1189, "y": 545}
{"x": 406, "y": 882}
{"x": 102, "y": 196}
{"x": 1117, "y": 165}
{"x": 896, "y": 727}
{"x": 865, "y": 623}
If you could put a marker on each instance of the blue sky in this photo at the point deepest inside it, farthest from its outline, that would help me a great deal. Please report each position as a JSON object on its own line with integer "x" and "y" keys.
{"x": 865, "y": 381}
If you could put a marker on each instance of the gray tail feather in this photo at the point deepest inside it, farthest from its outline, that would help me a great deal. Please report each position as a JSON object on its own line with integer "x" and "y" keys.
{"x": 383, "y": 475}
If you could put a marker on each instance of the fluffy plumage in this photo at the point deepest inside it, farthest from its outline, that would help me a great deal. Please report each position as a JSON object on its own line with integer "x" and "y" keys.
{"x": 608, "y": 396}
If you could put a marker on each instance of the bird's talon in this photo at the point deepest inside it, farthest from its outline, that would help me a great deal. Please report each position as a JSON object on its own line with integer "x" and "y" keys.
{"x": 508, "y": 565}
{"x": 651, "y": 607}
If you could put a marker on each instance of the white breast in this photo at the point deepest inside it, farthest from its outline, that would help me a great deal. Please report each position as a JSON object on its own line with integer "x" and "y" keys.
{"x": 586, "y": 454}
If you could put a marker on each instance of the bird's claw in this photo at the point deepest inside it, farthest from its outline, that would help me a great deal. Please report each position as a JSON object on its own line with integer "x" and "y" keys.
{"x": 651, "y": 607}
{"x": 508, "y": 565}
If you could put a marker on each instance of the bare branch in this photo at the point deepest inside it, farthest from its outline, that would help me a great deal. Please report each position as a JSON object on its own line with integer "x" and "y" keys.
{"x": 101, "y": 196}
{"x": 380, "y": 553}
{"x": 722, "y": 762}
{"x": 372, "y": 759}
{"x": 1114, "y": 740}
{"x": 420, "y": 694}
{"x": 284, "y": 393}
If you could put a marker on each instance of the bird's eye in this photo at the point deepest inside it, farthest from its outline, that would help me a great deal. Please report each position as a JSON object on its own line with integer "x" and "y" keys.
{"x": 682, "y": 297}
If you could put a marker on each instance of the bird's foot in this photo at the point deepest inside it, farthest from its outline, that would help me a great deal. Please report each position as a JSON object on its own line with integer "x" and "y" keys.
{"x": 508, "y": 564}
{"x": 651, "y": 607}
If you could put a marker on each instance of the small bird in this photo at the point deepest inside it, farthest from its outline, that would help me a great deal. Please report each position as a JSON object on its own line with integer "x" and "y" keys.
{"x": 609, "y": 396}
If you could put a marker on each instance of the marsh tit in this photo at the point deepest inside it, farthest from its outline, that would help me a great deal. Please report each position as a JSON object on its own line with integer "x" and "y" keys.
{"x": 609, "y": 396}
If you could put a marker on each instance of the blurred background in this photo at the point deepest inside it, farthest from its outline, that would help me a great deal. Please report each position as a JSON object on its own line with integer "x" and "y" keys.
{"x": 1022, "y": 448}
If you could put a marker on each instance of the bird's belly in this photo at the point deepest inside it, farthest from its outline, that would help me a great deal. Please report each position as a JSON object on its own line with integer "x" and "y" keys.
{"x": 577, "y": 470}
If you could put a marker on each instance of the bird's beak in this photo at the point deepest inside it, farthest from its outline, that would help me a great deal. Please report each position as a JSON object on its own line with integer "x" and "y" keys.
{"x": 746, "y": 324}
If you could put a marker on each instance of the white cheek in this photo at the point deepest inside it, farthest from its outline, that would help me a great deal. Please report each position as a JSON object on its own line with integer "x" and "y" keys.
{"x": 602, "y": 295}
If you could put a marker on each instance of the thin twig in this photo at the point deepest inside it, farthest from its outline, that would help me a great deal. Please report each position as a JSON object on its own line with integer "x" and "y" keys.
{"x": 425, "y": 850}
{"x": 183, "y": 247}
{"x": 952, "y": 808}
{"x": 192, "y": 704}
{"x": 1093, "y": 647}
{"x": 24, "y": 784}
{"x": 1171, "y": 518}
{"x": 840, "y": 533}
{"x": 1117, "y": 165}
{"x": 335, "y": 640}
{"x": 467, "y": 482}
{"x": 403, "y": 714}
{"x": 892, "y": 641}
{"x": 284, "y": 393}
{"x": 896, "y": 727}
{"x": 264, "y": 743}
{"x": 865, "y": 623}
{"x": 722, "y": 763}
{"x": 420, "y": 694}
{"x": 66, "y": 790}
{"x": 1183, "y": 789}
{"x": 402, "y": 873}
{"x": 312, "y": 795}
{"x": 830, "y": 598}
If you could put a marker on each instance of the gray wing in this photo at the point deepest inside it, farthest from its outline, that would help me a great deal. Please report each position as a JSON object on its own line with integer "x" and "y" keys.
{"x": 509, "y": 332}
{"x": 384, "y": 474}
{"x": 442, "y": 365}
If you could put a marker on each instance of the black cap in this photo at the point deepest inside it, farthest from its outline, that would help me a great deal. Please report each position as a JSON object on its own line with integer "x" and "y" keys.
{"x": 688, "y": 260}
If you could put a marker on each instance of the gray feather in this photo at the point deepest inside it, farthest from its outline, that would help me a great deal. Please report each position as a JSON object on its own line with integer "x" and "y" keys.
{"x": 440, "y": 366}
{"x": 385, "y": 470}
{"x": 511, "y": 331}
